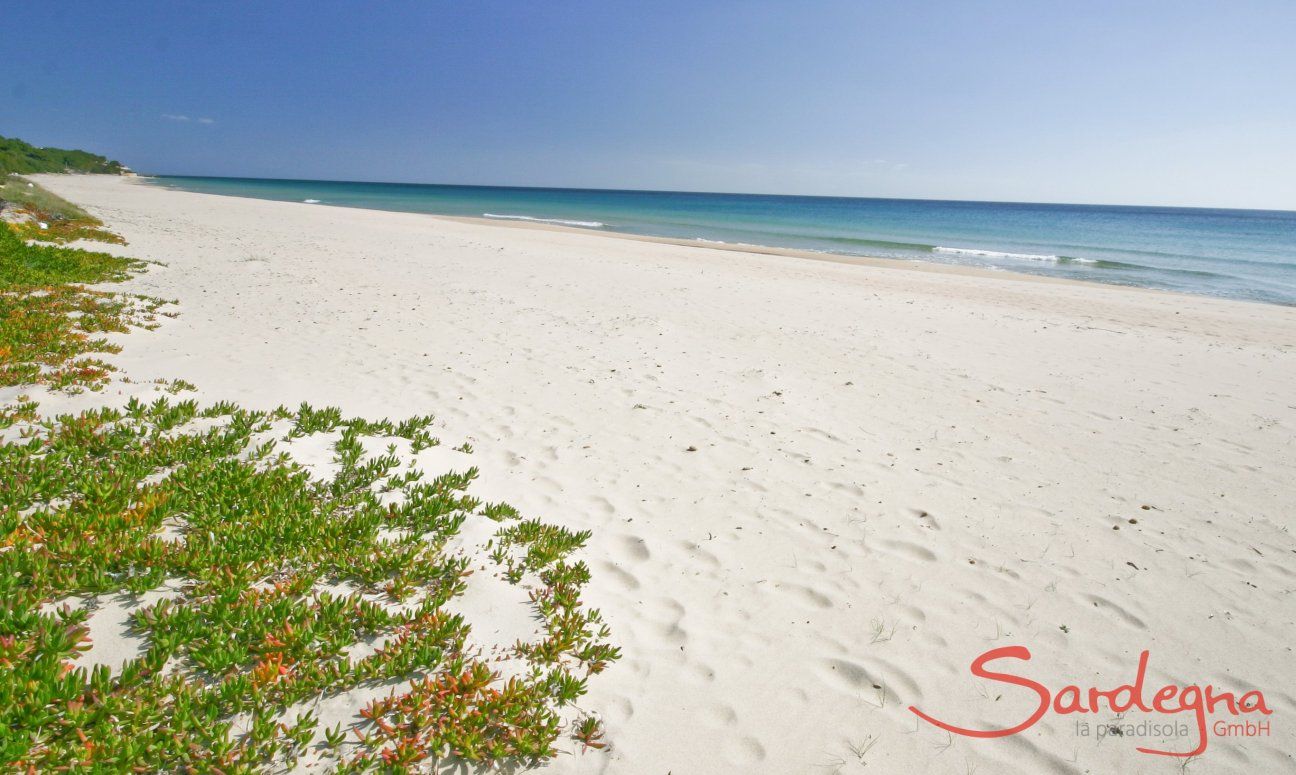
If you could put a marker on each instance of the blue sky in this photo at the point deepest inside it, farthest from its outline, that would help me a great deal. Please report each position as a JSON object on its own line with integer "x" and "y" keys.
{"x": 1183, "y": 103}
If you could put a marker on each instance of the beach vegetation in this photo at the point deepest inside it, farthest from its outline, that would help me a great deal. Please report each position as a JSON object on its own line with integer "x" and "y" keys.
{"x": 19, "y": 156}
{"x": 50, "y": 321}
{"x": 35, "y": 213}
{"x": 256, "y": 587}
{"x": 589, "y": 731}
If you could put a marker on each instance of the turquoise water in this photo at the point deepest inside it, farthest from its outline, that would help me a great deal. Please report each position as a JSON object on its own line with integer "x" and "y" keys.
{"x": 1241, "y": 254}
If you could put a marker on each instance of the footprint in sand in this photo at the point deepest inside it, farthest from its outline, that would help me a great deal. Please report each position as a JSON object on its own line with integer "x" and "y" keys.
{"x": 811, "y": 596}
{"x": 619, "y": 576}
{"x": 909, "y": 550}
{"x": 743, "y": 751}
{"x": 635, "y": 548}
{"x": 720, "y": 715}
{"x": 1107, "y": 605}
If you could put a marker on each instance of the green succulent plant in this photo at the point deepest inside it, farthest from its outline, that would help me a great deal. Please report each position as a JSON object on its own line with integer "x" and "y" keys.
{"x": 264, "y": 581}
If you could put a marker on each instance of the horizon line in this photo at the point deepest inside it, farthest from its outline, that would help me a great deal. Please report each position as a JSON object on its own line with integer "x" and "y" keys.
{"x": 728, "y": 193}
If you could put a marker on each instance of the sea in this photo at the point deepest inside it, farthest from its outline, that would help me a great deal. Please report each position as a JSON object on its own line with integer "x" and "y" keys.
{"x": 1237, "y": 254}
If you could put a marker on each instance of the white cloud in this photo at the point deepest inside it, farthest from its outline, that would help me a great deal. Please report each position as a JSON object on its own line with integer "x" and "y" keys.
{"x": 183, "y": 119}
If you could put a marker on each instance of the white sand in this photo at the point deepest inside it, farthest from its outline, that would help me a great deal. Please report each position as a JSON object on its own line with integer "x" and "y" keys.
{"x": 895, "y": 470}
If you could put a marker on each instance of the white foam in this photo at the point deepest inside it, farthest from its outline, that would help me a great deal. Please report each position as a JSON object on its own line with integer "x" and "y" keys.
{"x": 1014, "y": 255}
{"x": 311, "y": 201}
{"x": 712, "y": 241}
{"x": 996, "y": 254}
{"x": 585, "y": 224}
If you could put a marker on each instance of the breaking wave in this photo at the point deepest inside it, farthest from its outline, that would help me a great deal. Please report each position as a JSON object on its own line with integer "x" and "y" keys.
{"x": 583, "y": 224}
{"x": 1017, "y": 256}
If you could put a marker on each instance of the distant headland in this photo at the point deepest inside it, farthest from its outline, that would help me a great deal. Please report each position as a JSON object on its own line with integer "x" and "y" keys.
{"x": 17, "y": 156}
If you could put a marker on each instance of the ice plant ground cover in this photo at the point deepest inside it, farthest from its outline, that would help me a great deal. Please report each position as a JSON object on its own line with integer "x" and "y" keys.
{"x": 36, "y": 213}
{"x": 48, "y": 319}
{"x": 253, "y": 588}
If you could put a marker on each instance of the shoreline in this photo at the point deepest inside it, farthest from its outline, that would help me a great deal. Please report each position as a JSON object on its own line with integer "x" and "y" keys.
{"x": 739, "y": 247}
{"x": 817, "y": 490}
{"x": 914, "y": 264}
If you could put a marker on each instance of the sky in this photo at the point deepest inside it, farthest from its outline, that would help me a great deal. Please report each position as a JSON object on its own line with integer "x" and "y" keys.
{"x": 1180, "y": 102}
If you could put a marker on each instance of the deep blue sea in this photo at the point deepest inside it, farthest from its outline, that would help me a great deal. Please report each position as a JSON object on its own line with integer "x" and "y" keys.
{"x": 1241, "y": 254}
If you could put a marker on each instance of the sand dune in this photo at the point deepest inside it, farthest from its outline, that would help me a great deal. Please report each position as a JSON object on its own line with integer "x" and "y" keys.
{"x": 818, "y": 490}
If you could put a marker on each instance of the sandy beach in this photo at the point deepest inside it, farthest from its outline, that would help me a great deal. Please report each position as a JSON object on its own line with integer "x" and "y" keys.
{"x": 818, "y": 489}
